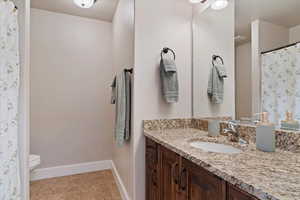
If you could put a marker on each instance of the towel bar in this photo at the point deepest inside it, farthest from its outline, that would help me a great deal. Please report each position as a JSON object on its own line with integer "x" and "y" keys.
{"x": 129, "y": 70}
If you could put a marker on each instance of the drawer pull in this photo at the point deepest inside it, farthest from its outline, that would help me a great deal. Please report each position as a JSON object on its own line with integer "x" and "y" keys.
{"x": 175, "y": 175}
{"x": 182, "y": 180}
{"x": 154, "y": 177}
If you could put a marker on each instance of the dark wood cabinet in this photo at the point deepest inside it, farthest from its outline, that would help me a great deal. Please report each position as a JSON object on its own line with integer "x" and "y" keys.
{"x": 169, "y": 174}
{"x": 234, "y": 193}
{"x": 199, "y": 184}
{"x": 171, "y": 177}
{"x": 152, "y": 171}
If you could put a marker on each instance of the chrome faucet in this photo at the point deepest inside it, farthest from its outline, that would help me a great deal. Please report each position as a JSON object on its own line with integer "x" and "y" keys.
{"x": 232, "y": 132}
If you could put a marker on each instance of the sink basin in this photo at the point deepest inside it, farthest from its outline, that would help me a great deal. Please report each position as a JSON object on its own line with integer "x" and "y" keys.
{"x": 215, "y": 148}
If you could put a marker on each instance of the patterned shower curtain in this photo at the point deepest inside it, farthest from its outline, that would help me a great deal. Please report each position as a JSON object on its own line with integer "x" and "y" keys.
{"x": 281, "y": 83}
{"x": 9, "y": 95}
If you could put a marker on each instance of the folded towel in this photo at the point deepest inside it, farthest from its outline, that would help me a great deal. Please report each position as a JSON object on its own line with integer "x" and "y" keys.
{"x": 215, "y": 88}
{"x": 221, "y": 70}
{"x": 120, "y": 109}
{"x": 169, "y": 65}
{"x": 113, "y": 91}
{"x": 169, "y": 80}
{"x": 121, "y": 96}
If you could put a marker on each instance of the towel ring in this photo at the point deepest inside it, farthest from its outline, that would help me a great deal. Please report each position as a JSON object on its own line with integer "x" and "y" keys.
{"x": 215, "y": 57}
{"x": 166, "y": 50}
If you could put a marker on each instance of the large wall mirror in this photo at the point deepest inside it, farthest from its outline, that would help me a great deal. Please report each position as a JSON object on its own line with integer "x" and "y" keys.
{"x": 258, "y": 42}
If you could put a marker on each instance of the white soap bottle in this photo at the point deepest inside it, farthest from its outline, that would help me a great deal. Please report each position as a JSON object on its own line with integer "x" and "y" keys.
{"x": 265, "y": 134}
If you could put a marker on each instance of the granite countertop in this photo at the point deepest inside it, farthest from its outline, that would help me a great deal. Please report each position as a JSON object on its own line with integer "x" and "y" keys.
{"x": 267, "y": 176}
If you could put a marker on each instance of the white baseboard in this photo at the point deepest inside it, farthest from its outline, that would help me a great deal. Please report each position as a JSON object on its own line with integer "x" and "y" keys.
{"x": 120, "y": 184}
{"x": 67, "y": 170}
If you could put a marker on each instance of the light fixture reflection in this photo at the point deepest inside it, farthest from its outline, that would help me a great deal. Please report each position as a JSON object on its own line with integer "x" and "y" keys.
{"x": 195, "y": 1}
{"x": 219, "y": 4}
{"x": 85, "y": 3}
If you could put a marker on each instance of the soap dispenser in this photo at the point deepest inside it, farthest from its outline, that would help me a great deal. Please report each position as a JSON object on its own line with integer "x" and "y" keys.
{"x": 265, "y": 134}
{"x": 289, "y": 123}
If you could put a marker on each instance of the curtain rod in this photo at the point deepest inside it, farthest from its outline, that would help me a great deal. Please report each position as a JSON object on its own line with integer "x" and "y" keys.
{"x": 286, "y": 46}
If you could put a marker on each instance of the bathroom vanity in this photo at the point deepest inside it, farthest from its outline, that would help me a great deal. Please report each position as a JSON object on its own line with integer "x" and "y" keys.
{"x": 175, "y": 170}
{"x": 171, "y": 176}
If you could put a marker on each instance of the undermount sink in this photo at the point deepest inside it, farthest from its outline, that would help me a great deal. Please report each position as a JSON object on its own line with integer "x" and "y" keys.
{"x": 214, "y": 147}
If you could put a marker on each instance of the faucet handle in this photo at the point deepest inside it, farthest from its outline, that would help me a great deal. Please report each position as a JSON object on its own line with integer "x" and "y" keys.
{"x": 232, "y": 125}
{"x": 226, "y": 130}
{"x": 243, "y": 142}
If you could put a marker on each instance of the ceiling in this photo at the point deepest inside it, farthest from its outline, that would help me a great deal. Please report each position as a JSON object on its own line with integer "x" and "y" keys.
{"x": 102, "y": 10}
{"x": 280, "y": 12}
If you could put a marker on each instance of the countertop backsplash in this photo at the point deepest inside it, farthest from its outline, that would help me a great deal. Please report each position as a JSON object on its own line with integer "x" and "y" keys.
{"x": 285, "y": 140}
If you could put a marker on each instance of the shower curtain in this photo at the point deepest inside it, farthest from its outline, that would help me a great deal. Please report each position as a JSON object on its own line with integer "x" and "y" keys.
{"x": 9, "y": 95}
{"x": 281, "y": 83}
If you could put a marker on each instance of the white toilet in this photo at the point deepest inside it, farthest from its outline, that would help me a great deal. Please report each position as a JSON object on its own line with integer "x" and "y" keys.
{"x": 34, "y": 161}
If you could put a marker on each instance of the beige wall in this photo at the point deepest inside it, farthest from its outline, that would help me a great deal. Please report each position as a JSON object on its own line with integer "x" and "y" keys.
{"x": 71, "y": 73}
{"x": 272, "y": 35}
{"x": 123, "y": 54}
{"x": 295, "y": 34}
{"x": 213, "y": 34}
{"x": 265, "y": 36}
{"x": 243, "y": 80}
{"x": 24, "y": 37}
{"x": 158, "y": 24}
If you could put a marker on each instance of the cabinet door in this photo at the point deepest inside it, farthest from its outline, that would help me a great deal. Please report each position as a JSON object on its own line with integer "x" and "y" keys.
{"x": 199, "y": 184}
{"x": 152, "y": 170}
{"x": 236, "y": 194}
{"x": 169, "y": 174}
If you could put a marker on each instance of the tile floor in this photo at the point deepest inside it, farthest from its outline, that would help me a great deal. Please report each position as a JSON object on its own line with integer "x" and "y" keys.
{"x": 90, "y": 186}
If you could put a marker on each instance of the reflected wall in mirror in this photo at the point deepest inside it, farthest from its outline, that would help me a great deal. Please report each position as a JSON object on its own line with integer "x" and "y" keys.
{"x": 268, "y": 60}
{"x": 258, "y": 43}
{"x": 213, "y": 34}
